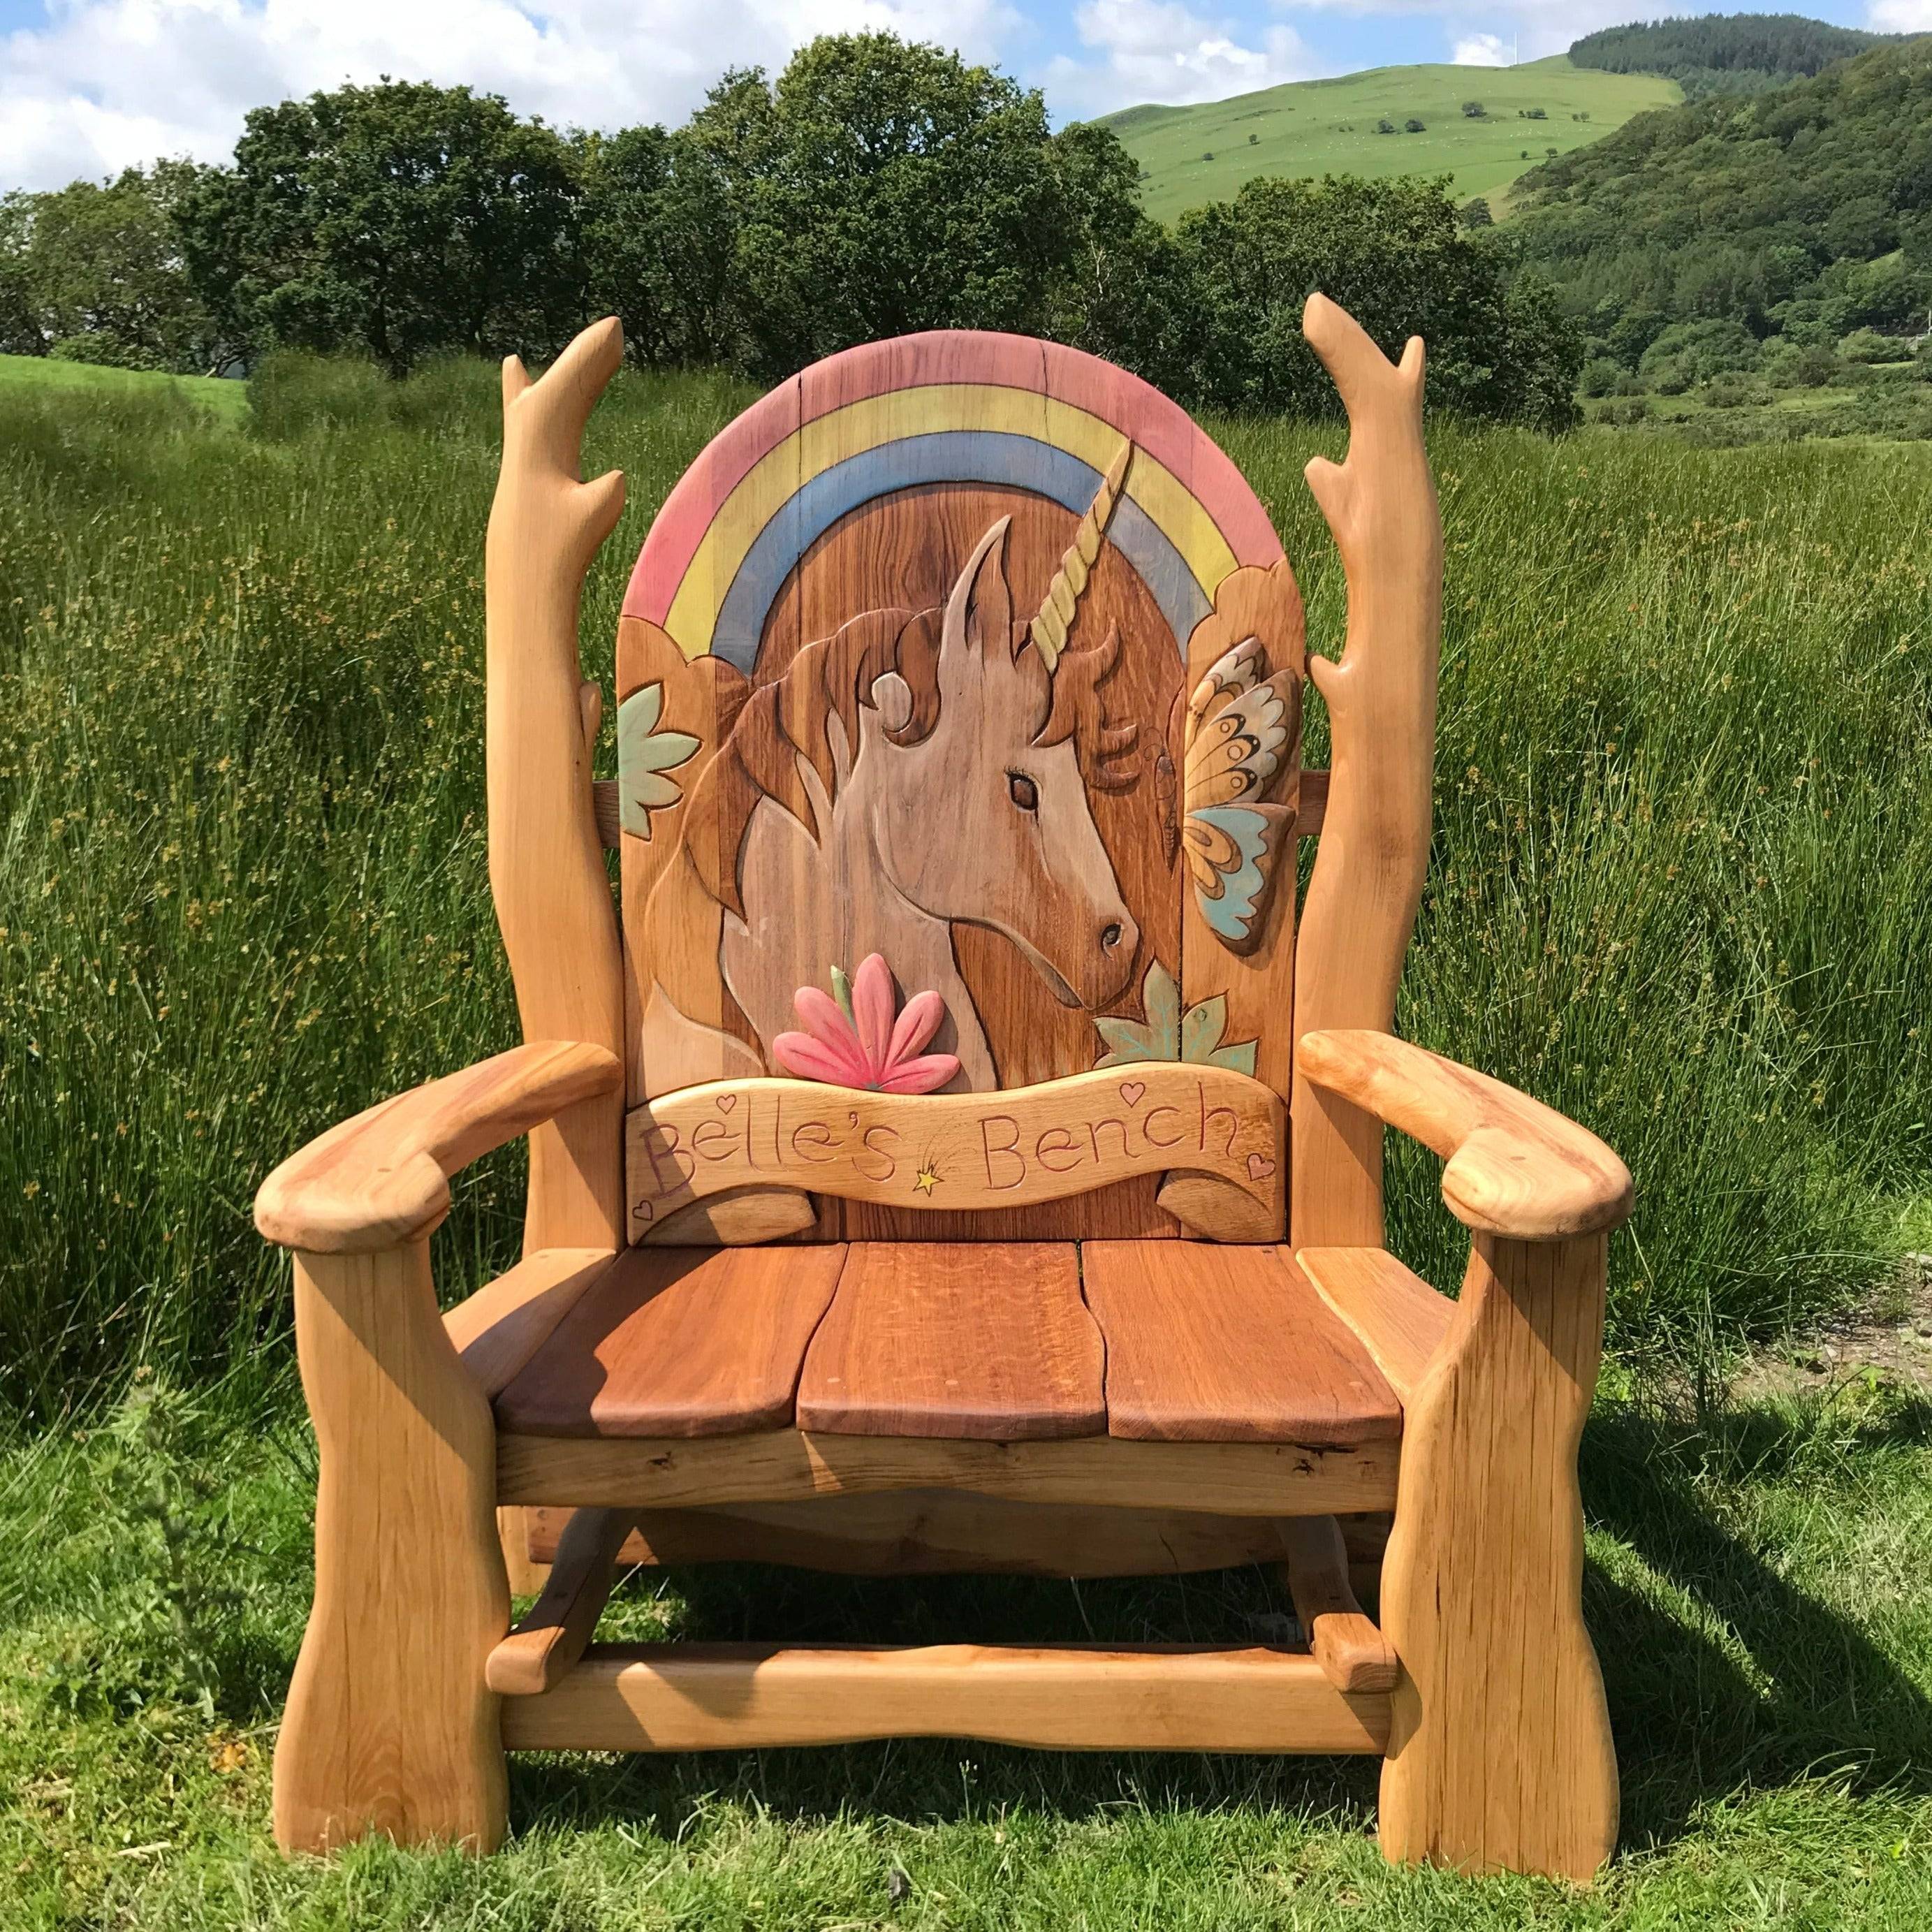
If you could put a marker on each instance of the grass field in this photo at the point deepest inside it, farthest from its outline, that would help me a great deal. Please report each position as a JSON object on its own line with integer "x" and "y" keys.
{"x": 1192, "y": 155}
{"x": 1755, "y": 1585}
{"x": 1684, "y": 822}
{"x": 77, "y": 383}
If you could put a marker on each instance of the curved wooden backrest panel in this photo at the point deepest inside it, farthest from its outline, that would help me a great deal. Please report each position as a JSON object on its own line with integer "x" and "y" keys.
{"x": 975, "y": 653}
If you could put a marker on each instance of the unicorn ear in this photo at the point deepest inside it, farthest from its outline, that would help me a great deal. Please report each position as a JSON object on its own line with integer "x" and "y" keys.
{"x": 980, "y": 612}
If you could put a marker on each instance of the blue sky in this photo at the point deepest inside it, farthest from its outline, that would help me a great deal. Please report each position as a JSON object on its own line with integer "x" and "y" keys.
{"x": 88, "y": 86}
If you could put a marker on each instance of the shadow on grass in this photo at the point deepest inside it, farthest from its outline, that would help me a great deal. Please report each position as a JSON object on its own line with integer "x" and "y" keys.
{"x": 1720, "y": 1671}
{"x": 1749, "y": 1677}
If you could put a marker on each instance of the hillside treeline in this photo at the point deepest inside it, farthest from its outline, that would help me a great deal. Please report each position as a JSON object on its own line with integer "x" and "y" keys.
{"x": 872, "y": 188}
{"x": 1799, "y": 221}
{"x": 1724, "y": 53}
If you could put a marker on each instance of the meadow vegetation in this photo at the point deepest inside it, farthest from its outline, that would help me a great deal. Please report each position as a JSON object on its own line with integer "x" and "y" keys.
{"x": 1684, "y": 819}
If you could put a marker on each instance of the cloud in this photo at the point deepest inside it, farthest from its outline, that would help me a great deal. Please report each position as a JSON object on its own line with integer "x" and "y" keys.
{"x": 1899, "y": 17}
{"x": 1163, "y": 50}
{"x": 1480, "y": 50}
{"x": 107, "y": 83}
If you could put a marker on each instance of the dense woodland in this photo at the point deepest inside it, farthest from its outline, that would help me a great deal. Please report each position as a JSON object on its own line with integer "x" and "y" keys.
{"x": 871, "y": 188}
{"x": 1724, "y": 53}
{"x": 1776, "y": 244}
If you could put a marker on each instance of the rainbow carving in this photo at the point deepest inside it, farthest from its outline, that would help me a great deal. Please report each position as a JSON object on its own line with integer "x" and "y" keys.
{"x": 953, "y": 407}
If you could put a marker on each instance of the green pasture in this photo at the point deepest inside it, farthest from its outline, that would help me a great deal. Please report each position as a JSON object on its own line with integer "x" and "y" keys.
{"x": 78, "y": 384}
{"x": 1192, "y": 155}
{"x": 1678, "y": 889}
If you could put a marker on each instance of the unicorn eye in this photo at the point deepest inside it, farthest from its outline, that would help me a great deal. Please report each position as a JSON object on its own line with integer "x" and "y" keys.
{"x": 1023, "y": 791}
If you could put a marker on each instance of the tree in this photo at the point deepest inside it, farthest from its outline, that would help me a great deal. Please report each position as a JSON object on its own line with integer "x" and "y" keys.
{"x": 20, "y": 331}
{"x": 1124, "y": 288}
{"x": 657, "y": 241}
{"x": 878, "y": 187}
{"x": 1385, "y": 126}
{"x": 94, "y": 272}
{"x": 1476, "y": 213}
{"x": 1474, "y": 110}
{"x": 399, "y": 220}
{"x": 1412, "y": 125}
{"x": 1391, "y": 253}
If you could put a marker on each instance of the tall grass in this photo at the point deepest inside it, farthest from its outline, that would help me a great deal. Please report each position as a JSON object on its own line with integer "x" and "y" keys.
{"x": 1679, "y": 887}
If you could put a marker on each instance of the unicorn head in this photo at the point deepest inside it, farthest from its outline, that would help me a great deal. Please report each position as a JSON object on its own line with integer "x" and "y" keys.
{"x": 984, "y": 820}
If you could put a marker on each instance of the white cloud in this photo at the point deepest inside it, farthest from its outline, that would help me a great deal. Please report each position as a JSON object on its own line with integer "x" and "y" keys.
{"x": 1899, "y": 17}
{"x": 106, "y": 83}
{"x": 1162, "y": 50}
{"x": 1480, "y": 50}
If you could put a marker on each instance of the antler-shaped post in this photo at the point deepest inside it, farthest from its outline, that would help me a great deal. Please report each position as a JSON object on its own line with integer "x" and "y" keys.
{"x": 1362, "y": 901}
{"x": 547, "y": 870}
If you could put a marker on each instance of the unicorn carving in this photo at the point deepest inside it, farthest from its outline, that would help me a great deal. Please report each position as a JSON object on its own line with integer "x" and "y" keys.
{"x": 914, "y": 771}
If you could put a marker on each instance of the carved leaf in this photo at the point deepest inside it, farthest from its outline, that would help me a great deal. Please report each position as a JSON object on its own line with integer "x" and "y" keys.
{"x": 1169, "y": 1034}
{"x": 644, "y": 755}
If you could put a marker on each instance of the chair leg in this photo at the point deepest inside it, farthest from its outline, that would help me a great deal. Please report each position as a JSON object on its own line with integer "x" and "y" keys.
{"x": 390, "y": 1728}
{"x": 1500, "y": 1756}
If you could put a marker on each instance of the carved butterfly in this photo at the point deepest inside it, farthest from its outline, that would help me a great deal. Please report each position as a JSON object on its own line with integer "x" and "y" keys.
{"x": 1243, "y": 730}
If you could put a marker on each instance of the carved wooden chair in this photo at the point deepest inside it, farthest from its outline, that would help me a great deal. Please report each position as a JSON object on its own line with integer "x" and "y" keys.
{"x": 943, "y": 1157}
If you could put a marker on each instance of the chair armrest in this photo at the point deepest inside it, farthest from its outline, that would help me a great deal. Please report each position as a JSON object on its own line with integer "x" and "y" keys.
{"x": 383, "y": 1178}
{"x": 1515, "y": 1167}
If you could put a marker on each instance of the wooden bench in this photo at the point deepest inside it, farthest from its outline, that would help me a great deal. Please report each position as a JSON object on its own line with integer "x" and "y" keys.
{"x": 953, "y": 1148}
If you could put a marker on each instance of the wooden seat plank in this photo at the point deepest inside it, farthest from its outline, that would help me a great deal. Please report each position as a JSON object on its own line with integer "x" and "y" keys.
{"x": 985, "y": 1341}
{"x": 1395, "y": 1314}
{"x": 1206, "y": 1343}
{"x": 678, "y": 1342}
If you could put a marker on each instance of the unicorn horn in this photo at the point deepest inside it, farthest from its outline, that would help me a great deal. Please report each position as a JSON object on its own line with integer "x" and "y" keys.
{"x": 1062, "y": 595}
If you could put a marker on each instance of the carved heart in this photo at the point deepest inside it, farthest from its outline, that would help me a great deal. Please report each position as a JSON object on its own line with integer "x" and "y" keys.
{"x": 1259, "y": 1167}
{"x": 1131, "y": 1091}
{"x": 726, "y": 1101}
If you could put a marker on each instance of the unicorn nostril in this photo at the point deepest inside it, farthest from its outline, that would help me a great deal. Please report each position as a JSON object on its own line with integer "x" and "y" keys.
{"x": 1110, "y": 936}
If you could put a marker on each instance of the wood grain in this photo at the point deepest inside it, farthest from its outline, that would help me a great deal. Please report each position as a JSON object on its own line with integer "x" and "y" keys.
{"x": 933, "y": 1532}
{"x": 677, "y": 1341}
{"x": 545, "y": 1644}
{"x": 1395, "y": 1315}
{"x": 1500, "y": 1755}
{"x": 1514, "y": 1166}
{"x": 1351, "y": 1651}
{"x": 383, "y": 1178}
{"x": 735, "y": 1696}
{"x": 1361, "y": 901}
{"x": 389, "y": 1727}
{"x": 604, "y": 808}
{"x": 1314, "y": 812}
{"x": 1216, "y": 1478}
{"x": 500, "y": 1328}
{"x": 989, "y": 1341}
{"x": 547, "y": 867}
{"x": 930, "y": 1152}
{"x": 1207, "y": 1344}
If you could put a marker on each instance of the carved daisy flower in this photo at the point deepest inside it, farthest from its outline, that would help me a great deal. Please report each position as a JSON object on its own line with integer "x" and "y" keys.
{"x": 644, "y": 755}
{"x": 852, "y": 1039}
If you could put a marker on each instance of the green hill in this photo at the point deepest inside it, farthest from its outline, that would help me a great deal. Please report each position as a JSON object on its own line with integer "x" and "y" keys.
{"x": 1191, "y": 155}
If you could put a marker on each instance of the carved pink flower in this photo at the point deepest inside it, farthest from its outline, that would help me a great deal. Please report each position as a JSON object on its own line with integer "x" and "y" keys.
{"x": 852, "y": 1040}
